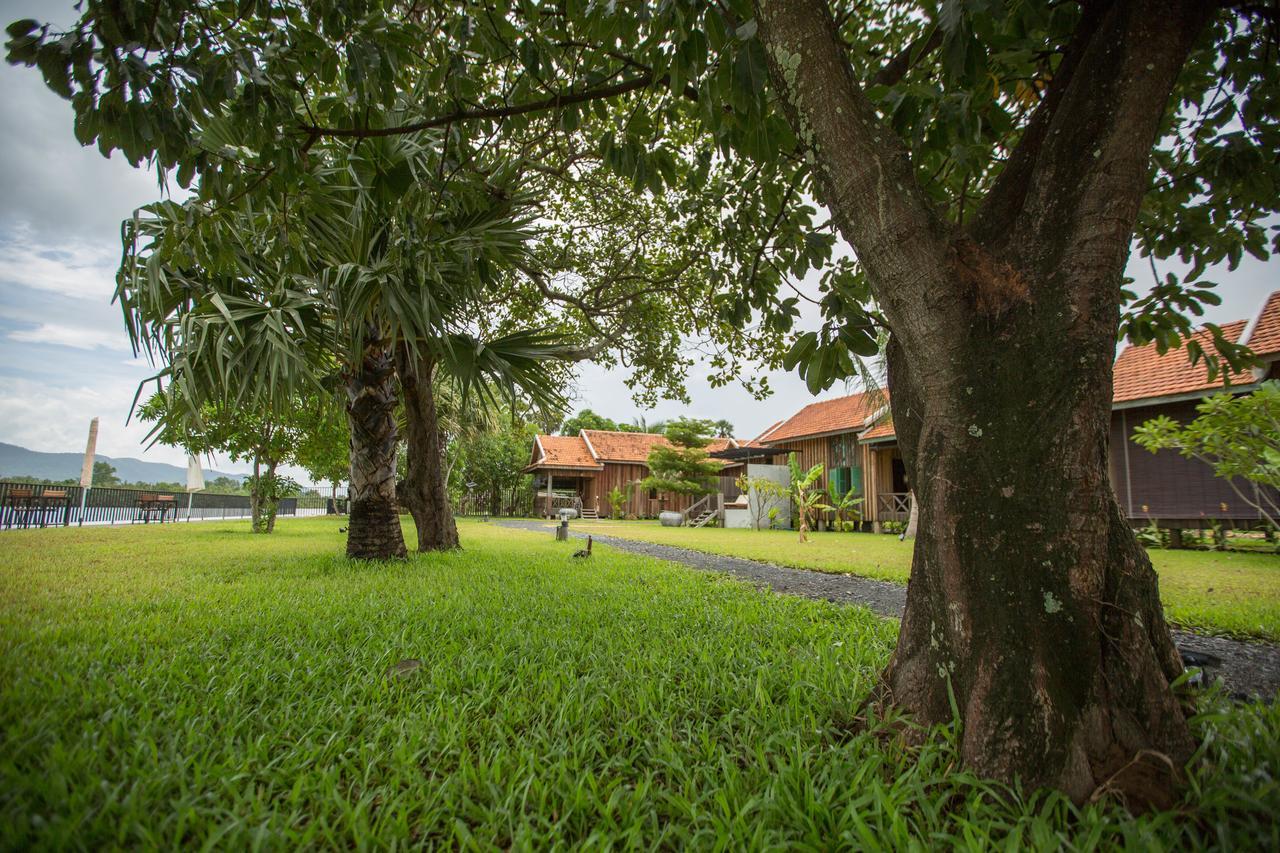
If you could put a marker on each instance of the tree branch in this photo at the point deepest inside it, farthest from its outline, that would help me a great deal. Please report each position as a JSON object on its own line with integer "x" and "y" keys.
{"x": 862, "y": 170}
{"x": 897, "y": 67}
{"x": 554, "y": 102}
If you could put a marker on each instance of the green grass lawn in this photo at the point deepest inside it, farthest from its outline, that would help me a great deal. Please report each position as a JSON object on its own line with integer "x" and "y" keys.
{"x": 1229, "y": 593}
{"x": 195, "y": 686}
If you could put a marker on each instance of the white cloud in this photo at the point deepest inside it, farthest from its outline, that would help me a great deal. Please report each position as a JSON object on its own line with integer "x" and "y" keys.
{"x": 78, "y": 337}
{"x": 79, "y": 271}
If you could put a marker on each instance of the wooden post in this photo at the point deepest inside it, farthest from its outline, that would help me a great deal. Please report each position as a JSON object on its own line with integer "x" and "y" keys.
{"x": 1175, "y": 537}
{"x": 720, "y": 508}
{"x": 551, "y": 484}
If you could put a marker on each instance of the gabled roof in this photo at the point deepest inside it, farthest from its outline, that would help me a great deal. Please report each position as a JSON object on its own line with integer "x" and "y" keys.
{"x": 1263, "y": 334}
{"x": 611, "y": 446}
{"x": 759, "y": 440}
{"x": 1142, "y": 373}
{"x": 591, "y": 448}
{"x": 562, "y": 451}
{"x": 828, "y": 417}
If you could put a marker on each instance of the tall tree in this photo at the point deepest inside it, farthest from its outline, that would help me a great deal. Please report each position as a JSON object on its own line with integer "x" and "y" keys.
{"x": 681, "y": 464}
{"x": 989, "y": 167}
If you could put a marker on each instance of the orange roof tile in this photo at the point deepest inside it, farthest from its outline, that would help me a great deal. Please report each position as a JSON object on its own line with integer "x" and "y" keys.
{"x": 843, "y": 414}
{"x": 1264, "y": 337}
{"x": 884, "y": 429}
{"x": 563, "y": 451}
{"x": 610, "y": 446}
{"x": 1141, "y": 372}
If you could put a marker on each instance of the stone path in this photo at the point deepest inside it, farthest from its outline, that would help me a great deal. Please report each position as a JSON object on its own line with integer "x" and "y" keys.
{"x": 1246, "y": 669}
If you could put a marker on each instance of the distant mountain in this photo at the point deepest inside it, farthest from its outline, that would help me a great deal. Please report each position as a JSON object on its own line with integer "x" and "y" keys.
{"x": 17, "y": 461}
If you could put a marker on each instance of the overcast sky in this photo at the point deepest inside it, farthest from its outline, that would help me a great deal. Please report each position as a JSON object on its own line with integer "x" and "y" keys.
{"x": 64, "y": 354}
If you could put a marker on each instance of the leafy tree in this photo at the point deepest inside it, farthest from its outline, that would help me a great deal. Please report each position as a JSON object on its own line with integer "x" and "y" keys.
{"x": 722, "y": 428}
{"x": 323, "y": 447}
{"x": 990, "y": 172}
{"x": 587, "y": 419}
{"x": 1238, "y": 436}
{"x": 104, "y": 474}
{"x": 371, "y": 286}
{"x": 493, "y": 458}
{"x": 265, "y": 438}
{"x": 804, "y": 496}
{"x": 681, "y": 464}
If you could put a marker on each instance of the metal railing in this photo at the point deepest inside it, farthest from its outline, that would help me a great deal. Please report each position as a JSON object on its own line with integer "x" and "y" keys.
{"x": 111, "y": 505}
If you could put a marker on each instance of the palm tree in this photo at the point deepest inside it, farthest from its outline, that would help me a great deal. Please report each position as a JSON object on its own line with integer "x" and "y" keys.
{"x": 370, "y": 270}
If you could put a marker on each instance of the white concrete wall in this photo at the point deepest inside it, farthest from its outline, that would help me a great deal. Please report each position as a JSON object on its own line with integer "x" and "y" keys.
{"x": 780, "y": 474}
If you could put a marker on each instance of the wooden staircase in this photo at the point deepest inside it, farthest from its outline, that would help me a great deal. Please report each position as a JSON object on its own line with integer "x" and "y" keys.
{"x": 590, "y": 514}
{"x": 702, "y": 512}
{"x": 703, "y": 518}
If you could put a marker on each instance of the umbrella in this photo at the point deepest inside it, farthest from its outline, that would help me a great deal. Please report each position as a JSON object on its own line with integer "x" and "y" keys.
{"x": 195, "y": 481}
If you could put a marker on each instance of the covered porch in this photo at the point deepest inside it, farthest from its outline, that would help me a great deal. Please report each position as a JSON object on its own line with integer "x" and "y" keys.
{"x": 557, "y": 489}
{"x": 888, "y": 494}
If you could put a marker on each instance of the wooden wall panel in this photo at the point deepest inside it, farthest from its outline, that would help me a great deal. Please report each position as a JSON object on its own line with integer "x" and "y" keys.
{"x": 1165, "y": 485}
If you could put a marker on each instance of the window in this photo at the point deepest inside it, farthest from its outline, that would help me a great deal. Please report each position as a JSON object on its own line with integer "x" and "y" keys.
{"x": 653, "y": 494}
{"x": 843, "y": 451}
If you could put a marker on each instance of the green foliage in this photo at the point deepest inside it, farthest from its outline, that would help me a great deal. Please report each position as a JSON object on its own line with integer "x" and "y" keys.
{"x": 306, "y": 430}
{"x": 617, "y": 502}
{"x": 215, "y": 681}
{"x": 1238, "y": 435}
{"x": 805, "y": 499}
{"x": 104, "y": 474}
{"x": 587, "y": 419}
{"x": 488, "y": 461}
{"x": 681, "y": 465}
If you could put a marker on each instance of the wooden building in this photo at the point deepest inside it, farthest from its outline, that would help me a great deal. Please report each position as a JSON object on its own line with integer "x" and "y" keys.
{"x": 581, "y": 470}
{"x": 853, "y": 436}
{"x": 1166, "y": 487}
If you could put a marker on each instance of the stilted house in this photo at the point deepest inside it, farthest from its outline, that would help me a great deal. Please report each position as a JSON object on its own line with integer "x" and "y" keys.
{"x": 579, "y": 471}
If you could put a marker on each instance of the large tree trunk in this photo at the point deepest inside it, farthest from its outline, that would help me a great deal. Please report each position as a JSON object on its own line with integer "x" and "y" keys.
{"x": 1030, "y": 602}
{"x": 373, "y": 528}
{"x": 426, "y": 492}
{"x": 1031, "y": 609}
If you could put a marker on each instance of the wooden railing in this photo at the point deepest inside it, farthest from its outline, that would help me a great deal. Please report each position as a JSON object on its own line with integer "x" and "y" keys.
{"x": 893, "y": 506}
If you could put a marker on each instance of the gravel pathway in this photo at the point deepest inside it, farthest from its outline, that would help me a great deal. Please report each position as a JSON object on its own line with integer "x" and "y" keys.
{"x": 1246, "y": 669}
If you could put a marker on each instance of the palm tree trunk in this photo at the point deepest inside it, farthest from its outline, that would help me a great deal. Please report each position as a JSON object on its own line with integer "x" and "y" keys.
{"x": 426, "y": 492}
{"x": 374, "y": 528}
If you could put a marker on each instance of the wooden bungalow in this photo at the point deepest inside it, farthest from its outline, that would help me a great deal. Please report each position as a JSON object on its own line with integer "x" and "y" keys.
{"x": 1166, "y": 487}
{"x": 581, "y": 470}
{"x": 853, "y": 439}
{"x": 853, "y": 436}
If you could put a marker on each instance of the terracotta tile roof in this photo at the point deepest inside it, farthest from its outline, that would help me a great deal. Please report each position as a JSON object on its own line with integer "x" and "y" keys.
{"x": 612, "y": 446}
{"x": 884, "y": 429}
{"x": 563, "y": 451}
{"x": 1141, "y": 372}
{"x": 843, "y": 414}
{"x": 1264, "y": 337}
{"x": 634, "y": 447}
